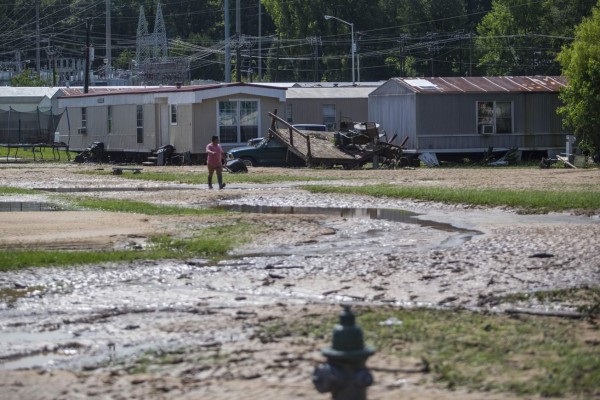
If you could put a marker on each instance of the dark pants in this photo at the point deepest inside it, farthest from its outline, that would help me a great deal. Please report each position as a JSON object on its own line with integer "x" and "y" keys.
{"x": 219, "y": 171}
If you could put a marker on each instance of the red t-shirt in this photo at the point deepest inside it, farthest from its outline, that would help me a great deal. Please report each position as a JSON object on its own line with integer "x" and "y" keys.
{"x": 215, "y": 154}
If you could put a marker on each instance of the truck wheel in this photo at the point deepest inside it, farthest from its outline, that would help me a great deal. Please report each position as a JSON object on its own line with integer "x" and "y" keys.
{"x": 250, "y": 162}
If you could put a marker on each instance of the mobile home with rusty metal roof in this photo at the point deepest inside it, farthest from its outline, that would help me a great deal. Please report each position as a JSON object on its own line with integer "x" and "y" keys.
{"x": 471, "y": 114}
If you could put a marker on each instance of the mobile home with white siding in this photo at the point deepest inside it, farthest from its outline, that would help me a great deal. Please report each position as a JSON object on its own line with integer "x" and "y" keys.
{"x": 133, "y": 121}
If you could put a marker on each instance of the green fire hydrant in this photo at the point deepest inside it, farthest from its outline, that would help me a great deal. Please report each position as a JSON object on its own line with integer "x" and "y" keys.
{"x": 345, "y": 374}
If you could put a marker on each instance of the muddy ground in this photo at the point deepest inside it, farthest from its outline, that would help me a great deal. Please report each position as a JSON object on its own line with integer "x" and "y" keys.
{"x": 70, "y": 333}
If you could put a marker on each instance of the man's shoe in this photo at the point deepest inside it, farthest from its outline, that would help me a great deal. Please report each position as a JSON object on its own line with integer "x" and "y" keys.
{"x": 210, "y": 186}
{"x": 221, "y": 186}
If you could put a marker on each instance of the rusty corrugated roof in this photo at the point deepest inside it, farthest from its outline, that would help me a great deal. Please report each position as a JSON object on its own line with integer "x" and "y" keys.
{"x": 485, "y": 84}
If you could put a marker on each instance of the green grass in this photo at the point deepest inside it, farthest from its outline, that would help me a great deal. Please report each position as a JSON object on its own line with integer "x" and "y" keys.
{"x": 161, "y": 361}
{"x": 7, "y": 190}
{"x": 199, "y": 178}
{"x": 212, "y": 242}
{"x": 139, "y": 207}
{"x": 524, "y": 355}
{"x": 585, "y": 299}
{"x": 10, "y": 295}
{"x": 536, "y": 200}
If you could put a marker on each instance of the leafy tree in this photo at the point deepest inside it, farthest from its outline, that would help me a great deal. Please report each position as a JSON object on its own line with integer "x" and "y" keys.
{"x": 27, "y": 78}
{"x": 522, "y": 37}
{"x": 505, "y": 42}
{"x": 124, "y": 59}
{"x": 581, "y": 66}
{"x": 393, "y": 37}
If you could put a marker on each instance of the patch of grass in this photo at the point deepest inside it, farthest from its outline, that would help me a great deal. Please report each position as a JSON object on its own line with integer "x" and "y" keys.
{"x": 10, "y": 295}
{"x": 585, "y": 299}
{"x": 522, "y": 355}
{"x": 157, "y": 361}
{"x": 537, "y": 200}
{"x": 199, "y": 178}
{"x": 17, "y": 259}
{"x": 7, "y": 190}
{"x": 139, "y": 207}
{"x": 212, "y": 242}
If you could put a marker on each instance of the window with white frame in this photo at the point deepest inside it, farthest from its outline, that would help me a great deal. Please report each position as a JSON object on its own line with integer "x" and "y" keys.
{"x": 173, "y": 114}
{"x": 329, "y": 116}
{"x": 494, "y": 117}
{"x": 83, "y": 117}
{"x": 238, "y": 120}
{"x": 248, "y": 120}
{"x": 139, "y": 114}
{"x": 109, "y": 119}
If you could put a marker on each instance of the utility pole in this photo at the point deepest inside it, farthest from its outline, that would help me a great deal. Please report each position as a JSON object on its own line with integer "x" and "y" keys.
{"x": 471, "y": 51}
{"x": 86, "y": 83}
{"x": 259, "y": 58}
{"x": 357, "y": 58}
{"x": 277, "y": 59}
{"x": 227, "y": 44}
{"x": 353, "y": 48}
{"x": 238, "y": 34}
{"x": 108, "y": 42}
{"x": 37, "y": 35}
{"x": 315, "y": 41}
{"x": 18, "y": 60}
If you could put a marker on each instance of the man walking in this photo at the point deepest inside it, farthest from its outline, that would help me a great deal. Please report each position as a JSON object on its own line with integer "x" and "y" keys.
{"x": 214, "y": 161}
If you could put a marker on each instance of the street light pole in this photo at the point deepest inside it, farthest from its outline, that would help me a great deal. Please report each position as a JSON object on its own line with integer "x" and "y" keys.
{"x": 353, "y": 50}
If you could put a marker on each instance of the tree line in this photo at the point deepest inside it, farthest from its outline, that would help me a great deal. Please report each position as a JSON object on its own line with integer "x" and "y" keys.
{"x": 296, "y": 42}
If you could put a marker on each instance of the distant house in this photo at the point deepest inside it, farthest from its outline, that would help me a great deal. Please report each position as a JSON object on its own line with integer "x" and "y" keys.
{"x": 472, "y": 114}
{"x": 136, "y": 120}
{"x": 328, "y": 104}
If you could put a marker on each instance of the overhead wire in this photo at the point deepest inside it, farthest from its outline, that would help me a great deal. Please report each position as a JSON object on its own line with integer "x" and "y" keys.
{"x": 298, "y": 47}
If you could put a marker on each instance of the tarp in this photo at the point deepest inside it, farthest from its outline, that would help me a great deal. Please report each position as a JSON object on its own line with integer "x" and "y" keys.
{"x": 36, "y": 126}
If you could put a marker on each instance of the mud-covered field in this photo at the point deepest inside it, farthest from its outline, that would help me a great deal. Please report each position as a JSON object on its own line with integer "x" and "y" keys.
{"x": 193, "y": 329}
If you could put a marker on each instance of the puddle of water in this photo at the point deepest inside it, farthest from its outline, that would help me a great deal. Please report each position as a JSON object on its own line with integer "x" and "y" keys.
{"x": 35, "y": 340}
{"x": 36, "y": 361}
{"x": 32, "y": 337}
{"x": 387, "y": 214}
{"x": 13, "y": 206}
{"x": 47, "y": 351}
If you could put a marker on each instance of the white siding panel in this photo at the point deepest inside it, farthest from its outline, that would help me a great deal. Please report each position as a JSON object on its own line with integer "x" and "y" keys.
{"x": 395, "y": 115}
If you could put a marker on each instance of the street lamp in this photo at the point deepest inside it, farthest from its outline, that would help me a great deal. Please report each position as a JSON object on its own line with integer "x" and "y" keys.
{"x": 353, "y": 45}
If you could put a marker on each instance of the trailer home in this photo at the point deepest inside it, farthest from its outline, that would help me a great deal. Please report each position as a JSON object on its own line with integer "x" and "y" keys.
{"x": 462, "y": 115}
{"x": 133, "y": 121}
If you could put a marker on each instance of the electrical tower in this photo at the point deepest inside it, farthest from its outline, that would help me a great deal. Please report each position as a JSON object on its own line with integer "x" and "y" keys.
{"x": 154, "y": 66}
{"x": 144, "y": 41}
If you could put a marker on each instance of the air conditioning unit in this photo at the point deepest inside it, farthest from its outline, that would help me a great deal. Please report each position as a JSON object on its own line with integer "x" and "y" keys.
{"x": 486, "y": 129}
{"x": 82, "y": 131}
